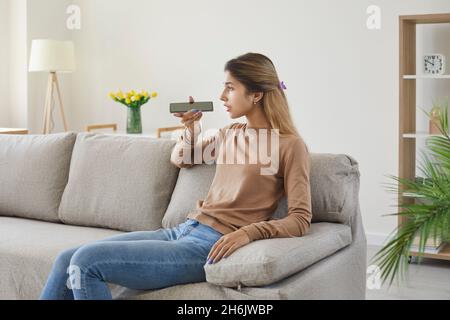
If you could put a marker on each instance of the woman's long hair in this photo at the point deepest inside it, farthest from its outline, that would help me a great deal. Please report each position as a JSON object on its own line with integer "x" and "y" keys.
{"x": 257, "y": 73}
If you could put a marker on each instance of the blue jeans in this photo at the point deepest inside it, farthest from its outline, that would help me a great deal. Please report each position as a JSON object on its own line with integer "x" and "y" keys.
{"x": 142, "y": 260}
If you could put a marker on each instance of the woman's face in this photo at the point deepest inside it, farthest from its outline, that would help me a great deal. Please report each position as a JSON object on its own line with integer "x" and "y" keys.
{"x": 236, "y": 102}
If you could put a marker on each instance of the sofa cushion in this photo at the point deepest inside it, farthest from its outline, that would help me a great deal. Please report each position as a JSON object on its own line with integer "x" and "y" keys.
{"x": 332, "y": 178}
{"x": 33, "y": 174}
{"x": 334, "y": 187}
{"x": 267, "y": 261}
{"x": 119, "y": 182}
{"x": 192, "y": 184}
{"x": 28, "y": 249}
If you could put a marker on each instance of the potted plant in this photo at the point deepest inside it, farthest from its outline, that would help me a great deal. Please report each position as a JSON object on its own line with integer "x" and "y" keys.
{"x": 133, "y": 101}
{"x": 428, "y": 216}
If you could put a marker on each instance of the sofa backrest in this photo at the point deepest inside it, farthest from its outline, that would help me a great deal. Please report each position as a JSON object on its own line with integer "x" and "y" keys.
{"x": 118, "y": 182}
{"x": 334, "y": 188}
{"x": 33, "y": 174}
{"x": 334, "y": 183}
{"x": 129, "y": 184}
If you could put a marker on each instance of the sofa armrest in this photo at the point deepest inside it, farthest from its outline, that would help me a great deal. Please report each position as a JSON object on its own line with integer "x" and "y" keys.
{"x": 267, "y": 261}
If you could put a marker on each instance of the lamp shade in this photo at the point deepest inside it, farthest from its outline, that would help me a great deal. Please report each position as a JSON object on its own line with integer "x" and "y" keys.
{"x": 52, "y": 56}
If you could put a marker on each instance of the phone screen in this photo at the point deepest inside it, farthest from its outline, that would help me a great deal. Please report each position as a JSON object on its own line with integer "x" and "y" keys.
{"x": 186, "y": 106}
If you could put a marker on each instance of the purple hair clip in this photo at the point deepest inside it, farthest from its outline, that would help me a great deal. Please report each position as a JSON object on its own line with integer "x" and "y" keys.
{"x": 282, "y": 85}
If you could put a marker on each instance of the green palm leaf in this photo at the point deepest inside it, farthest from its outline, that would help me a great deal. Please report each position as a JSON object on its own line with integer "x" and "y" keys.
{"x": 428, "y": 216}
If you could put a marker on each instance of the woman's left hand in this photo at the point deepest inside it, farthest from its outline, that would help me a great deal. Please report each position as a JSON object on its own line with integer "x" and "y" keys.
{"x": 227, "y": 244}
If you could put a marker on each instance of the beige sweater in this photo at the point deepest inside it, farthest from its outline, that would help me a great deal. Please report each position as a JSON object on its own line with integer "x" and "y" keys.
{"x": 240, "y": 196}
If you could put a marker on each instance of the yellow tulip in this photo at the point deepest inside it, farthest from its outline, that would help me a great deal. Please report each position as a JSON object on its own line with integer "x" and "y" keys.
{"x": 120, "y": 94}
{"x": 129, "y": 95}
{"x": 144, "y": 94}
{"x": 111, "y": 94}
{"x": 154, "y": 95}
{"x": 128, "y": 101}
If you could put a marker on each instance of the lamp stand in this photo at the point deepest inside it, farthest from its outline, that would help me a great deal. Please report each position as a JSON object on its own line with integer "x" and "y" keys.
{"x": 51, "y": 85}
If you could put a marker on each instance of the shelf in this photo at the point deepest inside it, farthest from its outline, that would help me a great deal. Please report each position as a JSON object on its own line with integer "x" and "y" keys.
{"x": 410, "y": 195}
{"x": 423, "y": 76}
{"x": 13, "y": 131}
{"x": 444, "y": 254}
{"x": 420, "y": 135}
{"x": 426, "y": 18}
{"x": 409, "y": 72}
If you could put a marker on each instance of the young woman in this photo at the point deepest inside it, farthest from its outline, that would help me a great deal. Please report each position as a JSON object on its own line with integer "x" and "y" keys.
{"x": 237, "y": 210}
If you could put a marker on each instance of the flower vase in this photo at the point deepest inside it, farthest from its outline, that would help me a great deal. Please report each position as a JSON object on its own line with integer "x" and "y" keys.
{"x": 134, "y": 123}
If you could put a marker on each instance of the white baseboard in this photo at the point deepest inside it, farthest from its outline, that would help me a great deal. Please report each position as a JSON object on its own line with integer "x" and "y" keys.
{"x": 376, "y": 239}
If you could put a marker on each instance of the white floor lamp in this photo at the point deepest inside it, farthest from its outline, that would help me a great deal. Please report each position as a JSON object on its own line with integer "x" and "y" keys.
{"x": 52, "y": 56}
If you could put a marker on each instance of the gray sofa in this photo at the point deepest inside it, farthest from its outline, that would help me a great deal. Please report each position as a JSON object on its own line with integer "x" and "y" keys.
{"x": 67, "y": 189}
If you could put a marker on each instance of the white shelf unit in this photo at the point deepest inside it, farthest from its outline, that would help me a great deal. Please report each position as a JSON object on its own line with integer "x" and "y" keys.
{"x": 408, "y": 133}
{"x": 426, "y": 76}
{"x": 419, "y": 135}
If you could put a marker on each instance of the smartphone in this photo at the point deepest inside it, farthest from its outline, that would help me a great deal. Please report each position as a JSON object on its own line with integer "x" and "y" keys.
{"x": 186, "y": 106}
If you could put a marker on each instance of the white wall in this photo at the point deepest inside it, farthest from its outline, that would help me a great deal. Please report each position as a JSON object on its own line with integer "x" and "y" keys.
{"x": 23, "y": 93}
{"x": 18, "y": 75}
{"x": 47, "y": 20}
{"x": 342, "y": 78}
{"x": 4, "y": 66}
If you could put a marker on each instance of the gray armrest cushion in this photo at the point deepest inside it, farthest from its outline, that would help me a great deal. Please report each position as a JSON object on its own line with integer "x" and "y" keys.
{"x": 267, "y": 261}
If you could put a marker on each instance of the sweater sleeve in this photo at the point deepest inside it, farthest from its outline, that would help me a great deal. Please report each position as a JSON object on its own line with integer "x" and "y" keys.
{"x": 184, "y": 151}
{"x": 296, "y": 166}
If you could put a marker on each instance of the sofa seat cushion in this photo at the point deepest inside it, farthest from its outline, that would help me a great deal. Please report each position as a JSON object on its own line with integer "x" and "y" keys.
{"x": 28, "y": 249}
{"x": 267, "y": 261}
{"x": 33, "y": 174}
{"x": 118, "y": 182}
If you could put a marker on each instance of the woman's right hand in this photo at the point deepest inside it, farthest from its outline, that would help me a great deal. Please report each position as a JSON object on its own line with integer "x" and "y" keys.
{"x": 188, "y": 118}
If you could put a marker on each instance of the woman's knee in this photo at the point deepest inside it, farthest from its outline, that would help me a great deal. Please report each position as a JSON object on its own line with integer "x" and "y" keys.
{"x": 64, "y": 257}
{"x": 88, "y": 255}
